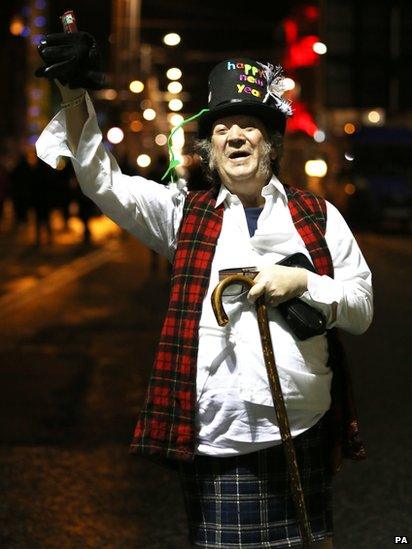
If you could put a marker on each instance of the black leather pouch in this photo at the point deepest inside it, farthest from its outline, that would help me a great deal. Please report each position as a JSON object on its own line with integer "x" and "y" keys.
{"x": 304, "y": 321}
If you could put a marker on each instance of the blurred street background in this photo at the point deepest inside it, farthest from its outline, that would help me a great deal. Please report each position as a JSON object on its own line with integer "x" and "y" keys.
{"x": 82, "y": 302}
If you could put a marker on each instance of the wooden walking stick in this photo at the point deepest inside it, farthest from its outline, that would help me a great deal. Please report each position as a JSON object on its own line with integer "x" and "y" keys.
{"x": 279, "y": 403}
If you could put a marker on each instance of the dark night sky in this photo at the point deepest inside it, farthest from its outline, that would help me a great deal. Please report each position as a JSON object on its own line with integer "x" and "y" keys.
{"x": 215, "y": 29}
{"x": 211, "y": 31}
{"x": 212, "y": 26}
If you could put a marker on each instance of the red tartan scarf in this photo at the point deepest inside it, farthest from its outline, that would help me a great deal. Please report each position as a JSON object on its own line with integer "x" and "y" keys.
{"x": 166, "y": 425}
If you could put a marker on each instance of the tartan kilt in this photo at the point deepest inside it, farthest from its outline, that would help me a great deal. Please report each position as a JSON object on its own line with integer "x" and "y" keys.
{"x": 245, "y": 501}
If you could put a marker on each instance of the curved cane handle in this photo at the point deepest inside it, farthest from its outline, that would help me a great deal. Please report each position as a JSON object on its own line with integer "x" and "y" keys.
{"x": 220, "y": 314}
{"x": 276, "y": 389}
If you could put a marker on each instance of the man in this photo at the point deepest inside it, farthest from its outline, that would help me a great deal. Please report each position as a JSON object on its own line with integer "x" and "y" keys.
{"x": 209, "y": 407}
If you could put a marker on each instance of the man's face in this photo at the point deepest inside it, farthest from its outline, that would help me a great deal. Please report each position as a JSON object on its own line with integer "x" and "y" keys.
{"x": 240, "y": 149}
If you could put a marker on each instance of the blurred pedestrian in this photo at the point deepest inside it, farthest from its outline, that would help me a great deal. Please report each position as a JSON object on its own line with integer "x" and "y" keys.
{"x": 62, "y": 194}
{"x": 20, "y": 191}
{"x": 86, "y": 209}
{"x": 42, "y": 183}
{"x": 209, "y": 409}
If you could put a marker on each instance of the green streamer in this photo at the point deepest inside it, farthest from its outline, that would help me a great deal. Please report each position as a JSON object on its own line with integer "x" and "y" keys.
{"x": 173, "y": 162}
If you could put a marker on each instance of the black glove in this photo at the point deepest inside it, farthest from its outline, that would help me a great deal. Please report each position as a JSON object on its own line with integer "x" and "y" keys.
{"x": 72, "y": 58}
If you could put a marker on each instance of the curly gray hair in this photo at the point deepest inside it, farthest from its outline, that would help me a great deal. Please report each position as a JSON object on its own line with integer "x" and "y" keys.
{"x": 203, "y": 147}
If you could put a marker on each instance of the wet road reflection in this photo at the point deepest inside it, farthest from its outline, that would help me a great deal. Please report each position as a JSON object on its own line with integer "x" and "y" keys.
{"x": 76, "y": 350}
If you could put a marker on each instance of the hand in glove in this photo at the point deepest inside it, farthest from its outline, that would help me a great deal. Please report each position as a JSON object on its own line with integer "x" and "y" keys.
{"x": 71, "y": 58}
{"x": 279, "y": 284}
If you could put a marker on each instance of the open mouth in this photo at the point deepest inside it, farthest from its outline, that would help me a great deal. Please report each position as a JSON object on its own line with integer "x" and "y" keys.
{"x": 238, "y": 154}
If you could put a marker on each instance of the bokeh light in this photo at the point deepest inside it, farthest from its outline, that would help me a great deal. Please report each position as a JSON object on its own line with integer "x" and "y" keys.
{"x": 39, "y": 21}
{"x": 349, "y": 128}
{"x": 115, "y": 135}
{"x": 160, "y": 139}
{"x": 136, "y": 126}
{"x": 319, "y": 136}
{"x": 108, "y": 94}
{"x": 316, "y": 168}
{"x": 175, "y": 119}
{"x": 175, "y": 105}
{"x": 374, "y": 117}
{"x": 289, "y": 84}
{"x": 136, "y": 86}
{"x": 174, "y": 87}
{"x": 350, "y": 189}
{"x": 320, "y": 48}
{"x": 171, "y": 39}
{"x": 143, "y": 160}
{"x": 149, "y": 114}
{"x": 16, "y": 26}
{"x": 174, "y": 73}
{"x": 37, "y": 38}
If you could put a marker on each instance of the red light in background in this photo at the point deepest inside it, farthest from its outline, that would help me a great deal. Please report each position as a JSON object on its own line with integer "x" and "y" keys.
{"x": 301, "y": 54}
{"x": 291, "y": 30}
{"x": 299, "y": 31}
{"x": 311, "y": 12}
{"x": 302, "y": 120}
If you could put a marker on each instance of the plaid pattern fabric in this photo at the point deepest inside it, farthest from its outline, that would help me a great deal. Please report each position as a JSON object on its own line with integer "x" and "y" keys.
{"x": 245, "y": 501}
{"x": 309, "y": 217}
{"x": 166, "y": 425}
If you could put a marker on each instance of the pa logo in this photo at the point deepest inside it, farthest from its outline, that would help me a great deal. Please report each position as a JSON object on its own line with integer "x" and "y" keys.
{"x": 400, "y": 539}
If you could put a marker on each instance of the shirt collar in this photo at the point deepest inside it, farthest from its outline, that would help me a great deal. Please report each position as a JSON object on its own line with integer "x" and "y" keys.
{"x": 274, "y": 186}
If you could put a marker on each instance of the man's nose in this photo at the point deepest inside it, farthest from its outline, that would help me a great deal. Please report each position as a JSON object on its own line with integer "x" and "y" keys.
{"x": 236, "y": 133}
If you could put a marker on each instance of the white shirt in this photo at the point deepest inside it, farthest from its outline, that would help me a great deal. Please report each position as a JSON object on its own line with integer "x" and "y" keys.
{"x": 235, "y": 411}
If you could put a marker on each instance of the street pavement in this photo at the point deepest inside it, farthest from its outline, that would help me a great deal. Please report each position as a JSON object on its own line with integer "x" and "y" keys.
{"x": 78, "y": 330}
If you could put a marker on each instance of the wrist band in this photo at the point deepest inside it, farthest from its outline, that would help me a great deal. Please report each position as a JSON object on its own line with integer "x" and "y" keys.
{"x": 74, "y": 102}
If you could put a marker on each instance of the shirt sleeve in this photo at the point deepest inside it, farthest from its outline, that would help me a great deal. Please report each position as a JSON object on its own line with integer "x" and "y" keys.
{"x": 347, "y": 299}
{"x": 148, "y": 210}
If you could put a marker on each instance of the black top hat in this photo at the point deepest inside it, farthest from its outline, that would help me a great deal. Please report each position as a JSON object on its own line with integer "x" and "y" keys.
{"x": 245, "y": 86}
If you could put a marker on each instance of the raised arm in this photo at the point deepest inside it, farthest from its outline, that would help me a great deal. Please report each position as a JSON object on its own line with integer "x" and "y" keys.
{"x": 146, "y": 209}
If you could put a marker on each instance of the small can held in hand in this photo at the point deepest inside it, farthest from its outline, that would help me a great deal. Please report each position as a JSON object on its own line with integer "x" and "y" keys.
{"x": 69, "y": 21}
